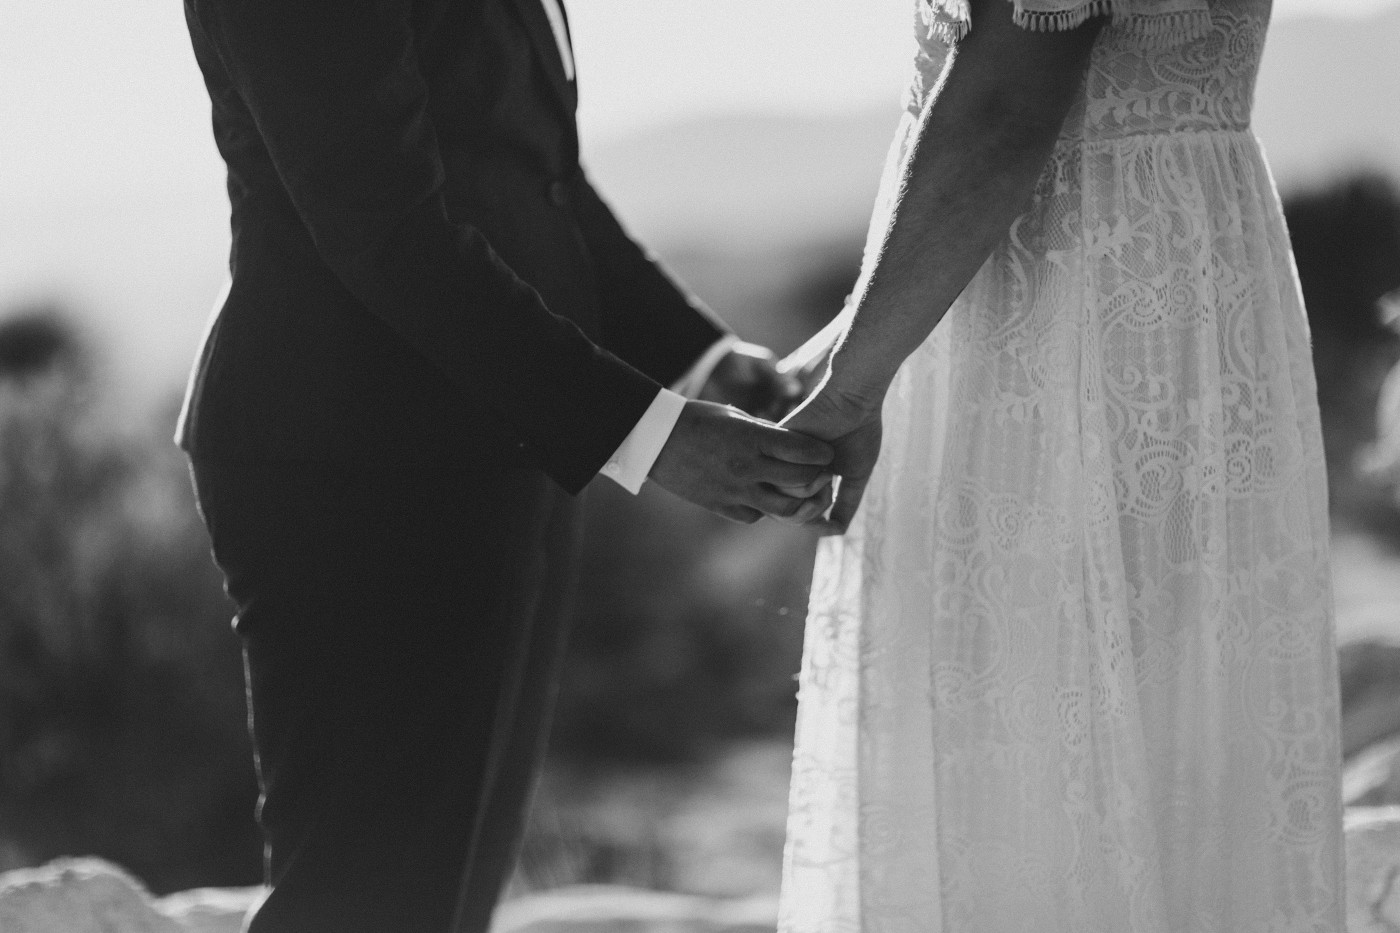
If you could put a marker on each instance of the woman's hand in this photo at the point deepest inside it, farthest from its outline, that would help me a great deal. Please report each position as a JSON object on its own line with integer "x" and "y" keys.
{"x": 851, "y": 424}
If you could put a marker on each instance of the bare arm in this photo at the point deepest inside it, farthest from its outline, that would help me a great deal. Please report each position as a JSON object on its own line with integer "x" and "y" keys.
{"x": 981, "y": 144}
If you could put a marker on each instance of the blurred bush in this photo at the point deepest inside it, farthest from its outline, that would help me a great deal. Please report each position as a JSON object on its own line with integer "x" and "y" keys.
{"x": 1346, "y": 239}
{"x": 121, "y": 699}
{"x": 689, "y": 632}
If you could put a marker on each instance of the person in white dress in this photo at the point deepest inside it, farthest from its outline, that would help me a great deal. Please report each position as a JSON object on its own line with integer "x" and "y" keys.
{"x": 1071, "y": 667}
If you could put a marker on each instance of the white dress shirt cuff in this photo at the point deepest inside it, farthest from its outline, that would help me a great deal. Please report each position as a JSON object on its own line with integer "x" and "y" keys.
{"x": 633, "y": 460}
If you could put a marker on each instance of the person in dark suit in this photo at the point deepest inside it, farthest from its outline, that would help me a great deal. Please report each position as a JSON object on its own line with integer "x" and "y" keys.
{"x": 436, "y": 333}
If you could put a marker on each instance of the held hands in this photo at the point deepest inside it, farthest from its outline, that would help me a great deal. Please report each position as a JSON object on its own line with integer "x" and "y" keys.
{"x": 851, "y": 423}
{"x": 743, "y": 468}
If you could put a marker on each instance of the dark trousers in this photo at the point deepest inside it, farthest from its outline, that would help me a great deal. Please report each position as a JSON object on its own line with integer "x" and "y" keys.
{"x": 403, "y": 628}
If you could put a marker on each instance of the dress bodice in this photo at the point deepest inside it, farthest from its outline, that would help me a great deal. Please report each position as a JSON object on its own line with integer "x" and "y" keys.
{"x": 1134, "y": 88}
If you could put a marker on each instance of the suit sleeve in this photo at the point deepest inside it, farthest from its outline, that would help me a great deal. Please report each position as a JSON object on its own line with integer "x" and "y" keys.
{"x": 341, "y": 105}
{"x": 648, "y": 318}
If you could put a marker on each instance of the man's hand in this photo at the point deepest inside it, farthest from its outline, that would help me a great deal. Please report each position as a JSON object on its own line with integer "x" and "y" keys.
{"x": 854, "y": 429}
{"x": 733, "y": 464}
{"x": 809, "y": 371}
{"x": 748, "y": 378}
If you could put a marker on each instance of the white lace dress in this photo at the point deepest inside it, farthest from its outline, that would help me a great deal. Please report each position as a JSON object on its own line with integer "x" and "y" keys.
{"x": 1072, "y": 669}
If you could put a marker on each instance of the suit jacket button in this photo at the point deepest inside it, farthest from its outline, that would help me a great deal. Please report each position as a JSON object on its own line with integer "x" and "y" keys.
{"x": 558, "y": 194}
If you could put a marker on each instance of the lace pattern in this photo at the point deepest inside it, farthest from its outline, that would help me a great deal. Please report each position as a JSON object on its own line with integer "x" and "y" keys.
{"x": 1072, "y": 669}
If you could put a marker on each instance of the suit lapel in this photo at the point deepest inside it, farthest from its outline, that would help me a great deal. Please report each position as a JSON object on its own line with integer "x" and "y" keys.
{"x": 546, "y": 49}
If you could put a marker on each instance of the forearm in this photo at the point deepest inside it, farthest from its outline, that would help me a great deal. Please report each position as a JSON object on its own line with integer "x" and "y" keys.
{"x": 981, "y": 145}
{"x": 648, "y": 318}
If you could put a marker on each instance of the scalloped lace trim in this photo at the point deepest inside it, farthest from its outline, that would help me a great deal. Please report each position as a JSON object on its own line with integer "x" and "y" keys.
{"x": 950, "y": 20}
{"x": 946, "y": 20}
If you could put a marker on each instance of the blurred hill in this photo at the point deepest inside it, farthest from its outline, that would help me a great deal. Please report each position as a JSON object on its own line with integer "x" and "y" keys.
{"x": 746, "y": 182}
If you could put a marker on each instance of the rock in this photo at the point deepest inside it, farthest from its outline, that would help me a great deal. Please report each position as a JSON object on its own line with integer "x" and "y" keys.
{"x": 89, "y": 895}
{"x": 210, "y": 910}
{"x": 608, "y": 909}
{"x": 93, "y": 896}
{"x": 1373, "y": 869}
{"x": 1371, "y": 778}
{"x": 1380, "y": 462}
{"x": 78, "y": 896}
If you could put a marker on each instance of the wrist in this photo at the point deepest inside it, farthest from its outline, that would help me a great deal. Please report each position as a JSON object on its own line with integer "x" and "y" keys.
{"x": 857, "y": 386}
{"x": 831, "y": 411}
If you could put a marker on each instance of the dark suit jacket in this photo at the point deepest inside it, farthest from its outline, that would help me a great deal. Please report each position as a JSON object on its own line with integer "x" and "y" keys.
{"x": 420, "y": 267}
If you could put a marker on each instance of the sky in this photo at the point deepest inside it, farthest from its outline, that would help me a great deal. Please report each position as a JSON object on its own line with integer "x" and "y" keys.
{"x": 111, "y": 196}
